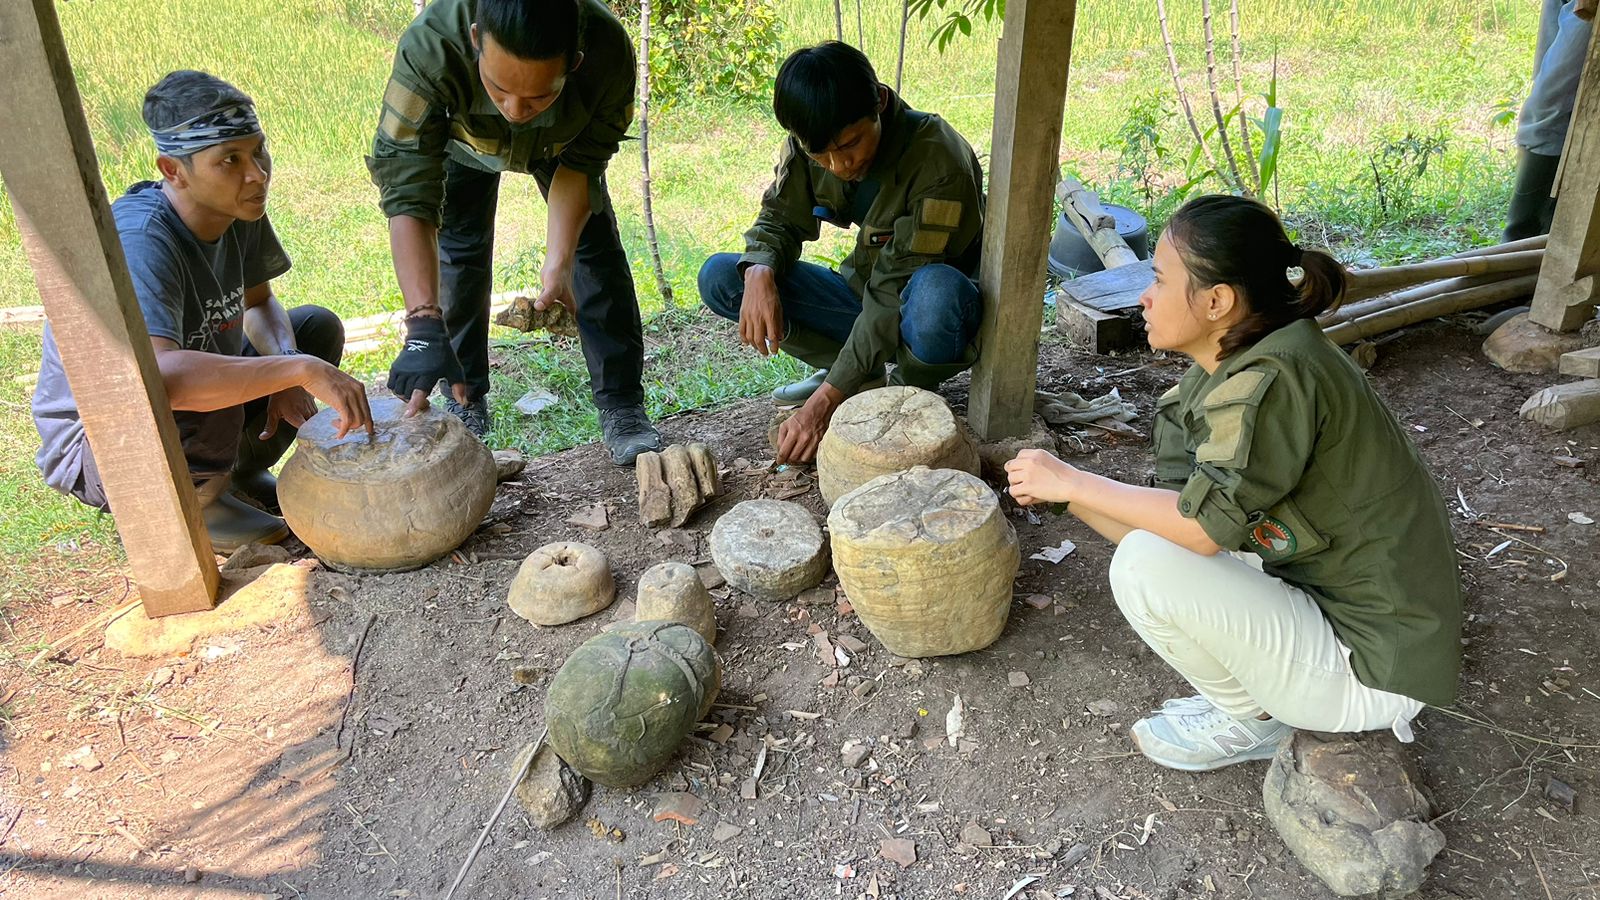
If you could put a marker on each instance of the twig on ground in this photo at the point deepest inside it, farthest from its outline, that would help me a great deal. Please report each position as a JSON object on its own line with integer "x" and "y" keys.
{"x": 1537, "y": 868}
{"x": 355, "y": 660}
{"x": 483, "y": 835}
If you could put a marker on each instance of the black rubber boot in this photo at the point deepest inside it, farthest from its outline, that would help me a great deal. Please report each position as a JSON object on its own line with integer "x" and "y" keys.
{"x": 1532, "y": 207}
{"x": 260, "y": 486}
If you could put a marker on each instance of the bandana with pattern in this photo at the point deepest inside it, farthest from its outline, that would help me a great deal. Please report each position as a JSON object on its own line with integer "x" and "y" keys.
{"x": 207, "y": 130}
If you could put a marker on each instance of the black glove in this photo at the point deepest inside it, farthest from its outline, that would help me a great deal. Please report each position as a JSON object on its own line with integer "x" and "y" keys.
{"x": 425, "y": 358}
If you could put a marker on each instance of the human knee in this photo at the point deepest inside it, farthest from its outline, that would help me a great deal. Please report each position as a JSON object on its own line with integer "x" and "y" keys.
{"x": 1140, "y": 574}
{"x": 721, "y": 285}
{"x": 319, "y": 332}
{"x": 939, "y": 313}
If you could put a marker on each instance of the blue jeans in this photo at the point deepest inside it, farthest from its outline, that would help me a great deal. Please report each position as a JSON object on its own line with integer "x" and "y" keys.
{"x": 940, "y": 309}
{"x": 1558, "y": 65}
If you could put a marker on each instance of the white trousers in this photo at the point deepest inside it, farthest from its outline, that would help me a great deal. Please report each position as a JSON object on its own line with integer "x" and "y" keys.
{"x": 1248, "y": 642}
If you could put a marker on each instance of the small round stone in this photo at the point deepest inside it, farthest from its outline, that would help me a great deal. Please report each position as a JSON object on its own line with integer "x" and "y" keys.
{"x": 550, "y": 790}
{"x": 672, "y": 592}
{"x": 771, "y": 549}
{"x": 561, "y": 582}
{"x": 394, "y": 501}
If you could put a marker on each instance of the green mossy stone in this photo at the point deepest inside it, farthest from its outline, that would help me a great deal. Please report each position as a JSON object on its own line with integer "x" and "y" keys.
{"x": 624, "y": 701}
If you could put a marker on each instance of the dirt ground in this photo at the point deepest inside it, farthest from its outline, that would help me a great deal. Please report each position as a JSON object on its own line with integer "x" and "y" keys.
{"x": 240, "y": 770}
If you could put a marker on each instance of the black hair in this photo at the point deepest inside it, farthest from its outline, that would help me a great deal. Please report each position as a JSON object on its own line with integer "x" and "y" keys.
{"x": 823, "y": 90}
{"x": 180, "y": 96}
{"x": 1240, "y": 242}
{"x": 533, "y": 29}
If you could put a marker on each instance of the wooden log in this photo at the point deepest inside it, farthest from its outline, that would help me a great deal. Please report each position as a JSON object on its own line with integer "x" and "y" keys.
{"x": 1583, "y": 363}
{"x": 1348, "y": 311}
{"x": 1565, "y": 406}
{"x": 1568, "y": 289}
{"x": 1537, "y": 242}
{"x": 53, "y": 181}
{"x": 1082, "y": 208}
{"x": 1030, "y": 95}
{"x": 1430, "y": 308}
{"x": 1091, "y": 329}
{"x": 1365, "y": 283}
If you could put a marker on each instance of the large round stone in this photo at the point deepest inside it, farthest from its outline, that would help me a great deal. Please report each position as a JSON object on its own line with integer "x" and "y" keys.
{"x": 624, "y": 701}
{"x": 560, "y": 583}
{"x": 770, "y": 549}
{"x": 673, "y": 592}
{"x": 927, "y": 559}
{"x": 388, "y": 503}
{"x": 889, "y": 430}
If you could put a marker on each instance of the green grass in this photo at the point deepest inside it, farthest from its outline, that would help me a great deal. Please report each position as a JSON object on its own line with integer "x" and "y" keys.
{"x": 1353, "y": 75}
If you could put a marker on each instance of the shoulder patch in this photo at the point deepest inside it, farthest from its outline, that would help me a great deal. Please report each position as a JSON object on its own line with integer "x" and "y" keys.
{"x": 1170, "y": 395}
{"x": 397, "y": 129}
{"x": 929, "y": 242}
{"x": 1246, "y": 386}
{"x": 403, "y": 100}
{"x": 943, "y": 213}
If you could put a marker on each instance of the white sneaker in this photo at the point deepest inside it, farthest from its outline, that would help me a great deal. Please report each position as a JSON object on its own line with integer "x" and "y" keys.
{"x": 1192, "y": 735}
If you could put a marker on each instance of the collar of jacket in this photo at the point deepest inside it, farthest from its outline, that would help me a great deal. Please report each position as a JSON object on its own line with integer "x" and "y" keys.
{"x": 892, "y": 143}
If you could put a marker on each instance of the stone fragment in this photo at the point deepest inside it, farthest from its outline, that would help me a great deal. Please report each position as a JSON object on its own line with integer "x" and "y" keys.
{"x": 927, "y": 559}
{"x": 81, "y": 758}
{"x": 854, "y": 754}
{"x": 388, "y": 503}
{"x": 1349, "y": 808}
{"x": 1019, "y": 679}
{"x": 1522, "y": 345}
{"x": 254, "y": 556}
{"x": 770, "y": 549}
{"x": 993, "y": 456}
{"x": 508, "y": 464}
{"x": 725, "y": 832}
{"x": 850, "y": 642}
{"x": 898, "y": 850}
{"x": 551, "y": 791}
{"x": 674, "y": 483}
{"x": 710, "y": 577}
{"x": 521, "y": 315}
{"x": 561, "y": 582}
{"x": 672, "y": 592}
{"x": 975, "y": 834}
{"x": 678, "y": 806}
{"x": 888, "y": 430}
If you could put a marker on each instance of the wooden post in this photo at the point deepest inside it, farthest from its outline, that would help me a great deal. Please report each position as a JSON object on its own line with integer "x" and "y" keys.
{"x": 47, "y": 160}
{"x": 1030, "y": 95}
{"x": 1568, "y": 290}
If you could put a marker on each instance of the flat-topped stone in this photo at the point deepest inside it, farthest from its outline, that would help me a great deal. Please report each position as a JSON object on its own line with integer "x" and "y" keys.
{"x": 393, "y": 501}
{"x": 886, "y": 430}
{"x": 771, "y": 549}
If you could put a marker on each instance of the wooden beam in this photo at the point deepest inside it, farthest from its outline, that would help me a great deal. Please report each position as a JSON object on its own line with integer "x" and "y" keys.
{"x": 1030, "y": 95}
{"x": 48, "y": 163}
{"x": 1565, "y": 406}
{"x": 1582, "y": 363}
{"x": 1568, "y": 290}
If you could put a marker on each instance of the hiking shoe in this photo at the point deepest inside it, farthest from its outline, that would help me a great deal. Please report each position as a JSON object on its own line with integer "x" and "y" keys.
{"x": 1192, "y": 735}
{"x": 232, "y": 523}
{"x": 800, "y": 391}
{"x": 474, "y": 415}
{"x": 627, "y": 432}
{"x": 260, "y": 486}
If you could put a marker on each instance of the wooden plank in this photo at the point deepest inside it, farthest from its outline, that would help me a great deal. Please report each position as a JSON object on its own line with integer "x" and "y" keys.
{"x": 1565, "y": 406}
{"x": 1091, "y": 329}
{"x": 1582, "y": 363}
{"x": 1030, "y": 96}
{"x": 1111, "y": 290}
{"x": 1568, "y": 290}
{"x": 47, "y": 160}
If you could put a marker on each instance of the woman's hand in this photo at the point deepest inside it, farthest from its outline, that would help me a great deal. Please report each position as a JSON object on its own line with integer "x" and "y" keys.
{"x": 1038, "y": 477}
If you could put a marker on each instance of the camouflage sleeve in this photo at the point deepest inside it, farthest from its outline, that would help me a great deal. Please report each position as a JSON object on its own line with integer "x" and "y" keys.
{"x": 945, "y": 218}
{"x": 786, "y": 220}
{"x": 408, "y": 150}
{"x": 1261, "y": 433}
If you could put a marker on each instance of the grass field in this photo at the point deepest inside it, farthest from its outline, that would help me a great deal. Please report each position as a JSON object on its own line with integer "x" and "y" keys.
{"x": 1354, "y": 76}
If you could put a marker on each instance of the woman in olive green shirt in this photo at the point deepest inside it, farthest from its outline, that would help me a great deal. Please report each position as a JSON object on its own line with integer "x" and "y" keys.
{"x": 1293, "y": 558}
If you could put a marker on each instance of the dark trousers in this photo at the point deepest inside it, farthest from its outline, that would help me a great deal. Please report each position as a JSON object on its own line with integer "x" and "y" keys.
{"x": 205, "y": 435}
{"x": 609, "y": 327}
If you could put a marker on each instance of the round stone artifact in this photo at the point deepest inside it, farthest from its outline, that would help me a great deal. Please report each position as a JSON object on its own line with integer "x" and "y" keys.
{"x": 392, "y": 502}
{"x": 624, "y": 701}
{"x": 927, "y": 559}
{"x": 886, "y": 430}
{"x": 560, "y": 583}
{"x": 770, "y": 549}
{"x": 672, "y": 592}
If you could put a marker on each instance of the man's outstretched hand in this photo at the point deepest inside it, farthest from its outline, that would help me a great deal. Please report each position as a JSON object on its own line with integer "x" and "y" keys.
{"x": 425, "y": 358}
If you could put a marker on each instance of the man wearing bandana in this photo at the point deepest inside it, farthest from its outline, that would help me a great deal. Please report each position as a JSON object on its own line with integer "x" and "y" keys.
{"x": 482, "y": 87}
{"x": 240, "y": 371}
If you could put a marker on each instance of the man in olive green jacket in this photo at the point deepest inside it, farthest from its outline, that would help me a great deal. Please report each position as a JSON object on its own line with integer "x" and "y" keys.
{"x": 481, "y": 87}
{"x": 857, "y": 155}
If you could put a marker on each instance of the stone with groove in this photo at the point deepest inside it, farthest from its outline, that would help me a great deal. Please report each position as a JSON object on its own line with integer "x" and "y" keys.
{"x": 561, "y": 582}
{"x": 770, "y": 549}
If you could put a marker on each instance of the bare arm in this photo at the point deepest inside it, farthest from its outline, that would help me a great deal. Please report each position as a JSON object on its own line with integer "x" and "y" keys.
{"x": 266, "y": 322}
{"x": 202, "y": 382}
{"x": 1107, "y": 505}
{"x": 569, "y": 212}
{"x": 414, "y": 244}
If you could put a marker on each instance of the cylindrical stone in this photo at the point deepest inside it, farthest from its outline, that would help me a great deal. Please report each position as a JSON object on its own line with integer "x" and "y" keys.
{"x": 672, "y": 592}
{"x": 561, "y": 582}
{"x": 771, "y": 549}
{"x": 388, "y": 503}
{"x": 927, "y": 559}
{"x": 889, "y": 430}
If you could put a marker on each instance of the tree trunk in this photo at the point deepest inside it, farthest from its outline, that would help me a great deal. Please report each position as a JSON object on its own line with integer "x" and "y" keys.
{"x": 1177, "y": 84}
{"x": 861, "y": 32}
{"x": 1216, "y": 101}
{"x": 900, "y": 61}
{"x": 838, "y": 20}
{"x": 662, "y": 284}
{"x": 1238, "y": 96}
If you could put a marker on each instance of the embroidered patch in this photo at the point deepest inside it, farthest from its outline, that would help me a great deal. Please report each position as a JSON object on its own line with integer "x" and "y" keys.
{"x": 485, "y": 145}
{"x": 1272, "y": 539}
{"x": 929, "y": 242}
{"x": 1227, "y": 436}
{"x": 398, "y": 130}
{"x": 403, "y": 100}
{"x": 942, "y": 212}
